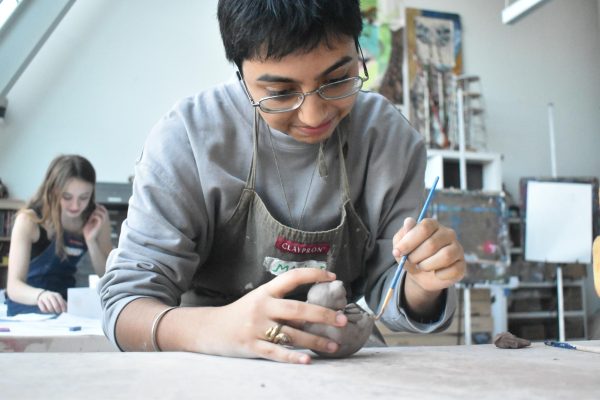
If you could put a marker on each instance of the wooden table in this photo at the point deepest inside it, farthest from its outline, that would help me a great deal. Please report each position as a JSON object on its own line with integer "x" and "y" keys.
{"x": 455, "y": 372}
{"x": 54, "y": 344}
{"x": 65, "y": 333}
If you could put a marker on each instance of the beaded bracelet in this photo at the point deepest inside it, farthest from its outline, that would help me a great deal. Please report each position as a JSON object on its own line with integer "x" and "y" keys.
{"x": 155, "y": 323}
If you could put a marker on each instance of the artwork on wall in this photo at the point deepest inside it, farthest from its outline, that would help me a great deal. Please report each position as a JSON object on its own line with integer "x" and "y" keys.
{"x": 382, "y": 42}
{"x": 479, "y": 220}
{"x": 434, "y": 60}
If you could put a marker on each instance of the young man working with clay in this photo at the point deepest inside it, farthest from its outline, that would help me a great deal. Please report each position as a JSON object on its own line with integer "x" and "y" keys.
{"x": 249, "y": 192}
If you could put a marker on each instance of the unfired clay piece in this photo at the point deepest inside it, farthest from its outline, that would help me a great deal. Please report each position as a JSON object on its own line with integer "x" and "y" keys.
{"x": 355, "y": 334}
{"x": 507, "y": 340}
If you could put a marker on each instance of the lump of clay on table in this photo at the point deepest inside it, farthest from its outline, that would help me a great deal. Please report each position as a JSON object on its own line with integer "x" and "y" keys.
{"x": 507, "y": 340}
{"x": 351, "y": 337}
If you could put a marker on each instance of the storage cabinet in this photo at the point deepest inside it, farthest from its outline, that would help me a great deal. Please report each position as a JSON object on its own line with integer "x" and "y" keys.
{"x": 533, "y": 310}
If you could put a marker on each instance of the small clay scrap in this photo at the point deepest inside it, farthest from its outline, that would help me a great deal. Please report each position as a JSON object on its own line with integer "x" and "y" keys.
{"x": 351, "y": 337}
{"x": 507, "y": 340}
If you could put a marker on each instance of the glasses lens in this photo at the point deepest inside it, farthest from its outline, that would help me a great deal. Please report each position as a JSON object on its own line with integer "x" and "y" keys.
{"x": 341, "y": 89}
{"x": 282, "y": 103}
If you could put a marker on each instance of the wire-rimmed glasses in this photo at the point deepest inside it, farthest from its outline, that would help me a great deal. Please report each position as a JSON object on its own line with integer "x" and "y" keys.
{"x": 293, "y": 100}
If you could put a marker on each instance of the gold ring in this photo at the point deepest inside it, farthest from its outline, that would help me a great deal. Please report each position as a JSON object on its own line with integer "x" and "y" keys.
{"x": 274, "y": 335}
{"x": 282, "y": 339}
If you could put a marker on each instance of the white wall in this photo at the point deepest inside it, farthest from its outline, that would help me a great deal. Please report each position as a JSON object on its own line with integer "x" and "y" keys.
{"x": 107, "y": 73}
{"x": 111, "y": 69}
{"x": 551, "y": 55}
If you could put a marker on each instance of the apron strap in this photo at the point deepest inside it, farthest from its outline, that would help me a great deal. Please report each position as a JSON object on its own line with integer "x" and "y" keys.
{"x": 251, "y": 181}
{"x": 343, "y": 171}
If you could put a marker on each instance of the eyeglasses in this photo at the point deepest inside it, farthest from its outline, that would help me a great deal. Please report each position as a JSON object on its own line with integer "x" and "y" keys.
{"x": 293, "y": 100}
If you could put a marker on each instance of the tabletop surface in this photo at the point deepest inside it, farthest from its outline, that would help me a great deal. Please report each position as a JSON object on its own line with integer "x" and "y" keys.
{"x": 480, "y": 371}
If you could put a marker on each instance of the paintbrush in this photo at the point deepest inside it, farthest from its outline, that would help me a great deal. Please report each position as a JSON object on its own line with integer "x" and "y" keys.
{"x": 569, "y": 346}
{"x": 388, "y": 296}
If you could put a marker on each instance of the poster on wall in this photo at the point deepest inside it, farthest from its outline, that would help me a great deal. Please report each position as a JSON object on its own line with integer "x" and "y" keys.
{"x": 382, "y": 43}
{"x": 434, "y": 60}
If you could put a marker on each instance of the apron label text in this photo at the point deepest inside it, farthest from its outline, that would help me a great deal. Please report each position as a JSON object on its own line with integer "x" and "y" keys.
{"x": 277, "y": 267}
{"x": 289, "y": 246}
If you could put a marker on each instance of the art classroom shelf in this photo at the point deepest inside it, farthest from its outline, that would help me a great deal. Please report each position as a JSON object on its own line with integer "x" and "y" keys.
{"x": 8, "y": 210}
{"x": 533, "y": 313}
{"x": 484, "y": 170}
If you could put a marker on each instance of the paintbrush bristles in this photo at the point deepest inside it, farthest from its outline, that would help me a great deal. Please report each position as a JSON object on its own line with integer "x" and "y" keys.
{"x": 388, "y": 296}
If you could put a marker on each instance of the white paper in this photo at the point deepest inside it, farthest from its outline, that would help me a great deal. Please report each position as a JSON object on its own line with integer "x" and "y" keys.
{"x": 84, "y": 302}
{"x": 63, "y": 325}
{"x": 558, "y": 226}
{"x": 30, "y": 317}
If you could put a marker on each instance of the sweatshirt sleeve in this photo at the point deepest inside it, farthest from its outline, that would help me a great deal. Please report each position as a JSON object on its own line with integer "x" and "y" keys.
{"x": 395, "y": 182}
{"x": 395, "y": 316}
{"x": 161, "y": 240}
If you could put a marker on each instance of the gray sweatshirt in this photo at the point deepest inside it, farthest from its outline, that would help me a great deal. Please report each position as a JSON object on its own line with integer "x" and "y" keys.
{"x": 194, "y": 166}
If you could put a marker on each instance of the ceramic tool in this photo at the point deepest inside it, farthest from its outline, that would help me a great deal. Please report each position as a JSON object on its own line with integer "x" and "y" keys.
{"x": 388, "y": 296}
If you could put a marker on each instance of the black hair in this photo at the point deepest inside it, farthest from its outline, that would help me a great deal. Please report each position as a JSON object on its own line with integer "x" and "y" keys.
{"x": 273, "y": 29}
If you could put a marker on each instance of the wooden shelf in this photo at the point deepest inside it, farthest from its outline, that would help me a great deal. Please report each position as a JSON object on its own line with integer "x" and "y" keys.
{"x": 536, "y": 285}
{"x": 543, "y": 314}
{"x": 11, "y": 204}
{"x": 8, "y": 210}
{"x": 533, "y": 310}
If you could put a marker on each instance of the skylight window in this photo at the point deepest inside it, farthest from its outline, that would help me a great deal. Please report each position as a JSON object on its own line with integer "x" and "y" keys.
{"x": 7, "y": 7}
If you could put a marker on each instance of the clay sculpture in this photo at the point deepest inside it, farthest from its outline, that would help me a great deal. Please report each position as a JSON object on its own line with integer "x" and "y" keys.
{"x": 355, "y": 334}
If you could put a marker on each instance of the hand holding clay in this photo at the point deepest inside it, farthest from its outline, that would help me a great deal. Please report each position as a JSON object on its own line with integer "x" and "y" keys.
{"x": 351, "y": 337}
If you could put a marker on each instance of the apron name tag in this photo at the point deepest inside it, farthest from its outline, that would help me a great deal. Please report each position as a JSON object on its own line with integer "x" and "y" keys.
{"x": 277, "y": 267}
{"x": 289, "y": 246}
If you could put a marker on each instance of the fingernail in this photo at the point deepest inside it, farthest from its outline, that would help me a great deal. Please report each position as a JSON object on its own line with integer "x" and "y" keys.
{"x": 304, "y": 359}
{"x": 332, "y": 346}
{"x": 341, "y": 319}
{"x": 331, "y": 274}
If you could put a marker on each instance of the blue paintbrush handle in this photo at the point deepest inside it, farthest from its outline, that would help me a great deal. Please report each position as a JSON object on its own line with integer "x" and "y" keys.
{"x": 562, "y": 345}
{"x": 421, "y": 216}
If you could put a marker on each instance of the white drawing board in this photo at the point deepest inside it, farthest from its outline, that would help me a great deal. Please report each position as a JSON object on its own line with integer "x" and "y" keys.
{"x": 559, "y": 222}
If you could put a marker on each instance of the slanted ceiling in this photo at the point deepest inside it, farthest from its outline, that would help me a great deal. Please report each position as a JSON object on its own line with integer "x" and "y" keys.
{"x": 22, "y": 36}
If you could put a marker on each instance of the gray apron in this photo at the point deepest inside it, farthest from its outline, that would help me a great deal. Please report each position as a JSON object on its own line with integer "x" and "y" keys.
{"x": 252, "y": 247}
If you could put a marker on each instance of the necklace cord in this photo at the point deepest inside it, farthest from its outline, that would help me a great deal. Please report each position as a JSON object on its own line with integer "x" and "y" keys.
{"x": 275, "y": 150}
